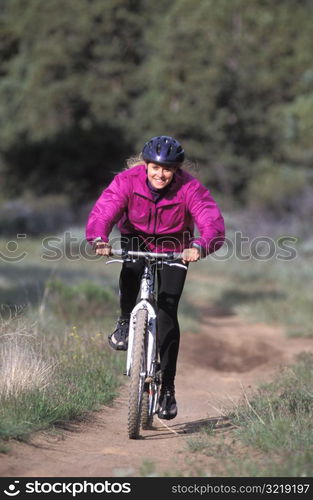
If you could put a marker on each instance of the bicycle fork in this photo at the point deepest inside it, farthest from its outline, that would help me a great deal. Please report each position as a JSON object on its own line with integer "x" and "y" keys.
{"x": 151, "y": 341}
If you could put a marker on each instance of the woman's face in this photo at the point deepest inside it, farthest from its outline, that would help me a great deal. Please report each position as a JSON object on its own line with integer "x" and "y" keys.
{"x": 159, "y": 176}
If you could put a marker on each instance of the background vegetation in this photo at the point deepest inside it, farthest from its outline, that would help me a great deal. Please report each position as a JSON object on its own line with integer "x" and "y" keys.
{"x": 84, "y": 84}
{"x": 55, "y": 366}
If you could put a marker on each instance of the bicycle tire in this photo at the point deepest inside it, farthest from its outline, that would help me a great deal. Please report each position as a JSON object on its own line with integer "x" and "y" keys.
{"x": 136, "y": 379}
{"x": 147, "y": 417}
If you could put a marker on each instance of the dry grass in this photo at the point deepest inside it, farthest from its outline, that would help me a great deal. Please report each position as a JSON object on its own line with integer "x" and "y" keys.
{"x": 23, "y": 367}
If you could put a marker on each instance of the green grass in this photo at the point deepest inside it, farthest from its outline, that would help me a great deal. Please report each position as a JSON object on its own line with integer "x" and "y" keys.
{"x": 273, "y": 292}
{"x": 272, "y": 417}
{"x": 278, "y": 421}
{"x": 55, "y": 366}
{"x": 276, "y": 292}
{"x": 270, "y": 433}
{"x": 83, "y": 376}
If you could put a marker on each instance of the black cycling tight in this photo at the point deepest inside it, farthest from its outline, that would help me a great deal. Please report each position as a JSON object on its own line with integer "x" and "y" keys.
{"x": 171, "y": 282}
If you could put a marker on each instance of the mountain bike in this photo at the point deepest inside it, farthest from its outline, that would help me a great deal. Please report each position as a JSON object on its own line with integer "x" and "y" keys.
{"x": 143, "y": 358}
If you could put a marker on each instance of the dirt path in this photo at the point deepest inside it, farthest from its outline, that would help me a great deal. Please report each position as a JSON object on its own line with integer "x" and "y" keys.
{"x": 215, "y": 366}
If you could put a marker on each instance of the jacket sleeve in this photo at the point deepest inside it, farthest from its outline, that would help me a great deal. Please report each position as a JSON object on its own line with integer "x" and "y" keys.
{"x": 207, "y": 217}
{"x": 108, "y": 209}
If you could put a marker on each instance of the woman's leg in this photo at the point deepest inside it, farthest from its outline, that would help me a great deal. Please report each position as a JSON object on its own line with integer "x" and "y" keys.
{"x": 171, "y": 282}
{"x": 130, "y": 276}
{"x": 129, "y": 283}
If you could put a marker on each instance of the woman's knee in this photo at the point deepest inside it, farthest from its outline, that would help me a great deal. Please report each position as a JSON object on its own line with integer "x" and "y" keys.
{"x": 168, "y": 303}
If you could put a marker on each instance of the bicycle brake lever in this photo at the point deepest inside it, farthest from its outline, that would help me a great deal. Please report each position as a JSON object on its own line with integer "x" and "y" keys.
{"x": 114, "y": 260}
{"x": 175, "y": 264}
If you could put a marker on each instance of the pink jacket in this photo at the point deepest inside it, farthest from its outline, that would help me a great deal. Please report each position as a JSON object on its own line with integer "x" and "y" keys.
{"x": 166, "y": 225}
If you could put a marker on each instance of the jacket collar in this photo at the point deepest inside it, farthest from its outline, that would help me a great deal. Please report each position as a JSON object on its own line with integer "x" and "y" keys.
{"x": 141, "y": 187}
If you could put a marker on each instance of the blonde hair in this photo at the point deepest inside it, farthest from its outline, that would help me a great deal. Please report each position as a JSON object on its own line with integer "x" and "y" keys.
{"x": 133, "y": 161}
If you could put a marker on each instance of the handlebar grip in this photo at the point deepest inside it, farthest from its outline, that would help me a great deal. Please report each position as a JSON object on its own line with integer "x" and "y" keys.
{"x": 118, "y": 253}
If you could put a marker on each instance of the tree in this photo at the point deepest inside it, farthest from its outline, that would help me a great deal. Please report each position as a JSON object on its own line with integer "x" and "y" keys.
{"x": 216, "y": 74}
{"x": 66, "y": 76}
{"x": 84, "y": 83}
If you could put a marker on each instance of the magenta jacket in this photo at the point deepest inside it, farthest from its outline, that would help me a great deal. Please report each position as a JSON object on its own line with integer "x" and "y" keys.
{"x": 165, "y": 225}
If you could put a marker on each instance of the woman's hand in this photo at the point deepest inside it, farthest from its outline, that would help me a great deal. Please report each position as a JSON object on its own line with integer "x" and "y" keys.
{"x": 190, "y": 255}
{"x": 102, "y": 248}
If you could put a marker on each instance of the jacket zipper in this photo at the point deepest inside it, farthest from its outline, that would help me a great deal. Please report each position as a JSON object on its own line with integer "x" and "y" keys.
{"x": 154, "y": 226}
{"x": 155, "y": 219}
{"x": 149, "y": 219}
{"x": 150, "y": 212}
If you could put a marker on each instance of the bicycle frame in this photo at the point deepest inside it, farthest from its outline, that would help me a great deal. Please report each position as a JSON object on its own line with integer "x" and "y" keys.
{"x": 146, "y": 301}
{"x": 142, "y": 354}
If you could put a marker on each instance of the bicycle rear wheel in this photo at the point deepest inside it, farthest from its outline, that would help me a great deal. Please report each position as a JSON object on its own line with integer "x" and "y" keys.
{"x": 149, "y": 402}
{"x": 137, "y": 374}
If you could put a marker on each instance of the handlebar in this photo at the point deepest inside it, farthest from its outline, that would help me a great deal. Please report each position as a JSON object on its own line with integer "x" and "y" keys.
{"x": 132, "y": 254}
{"x": 154, "y": 255}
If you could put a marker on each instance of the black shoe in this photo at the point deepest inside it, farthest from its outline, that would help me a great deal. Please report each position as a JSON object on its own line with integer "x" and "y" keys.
{"x": 167, "y": 403}
{"x": 118, "y": 340}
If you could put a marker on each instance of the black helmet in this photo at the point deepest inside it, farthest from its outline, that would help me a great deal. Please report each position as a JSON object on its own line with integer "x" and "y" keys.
{"x": 164, "y": 150}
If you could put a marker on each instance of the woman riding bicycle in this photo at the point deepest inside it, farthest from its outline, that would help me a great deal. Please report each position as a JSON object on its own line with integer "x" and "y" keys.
{"x": 156, "y": 205}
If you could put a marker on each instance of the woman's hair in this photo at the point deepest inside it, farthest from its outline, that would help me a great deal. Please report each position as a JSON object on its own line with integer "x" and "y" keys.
{"x": 133, "y": 161}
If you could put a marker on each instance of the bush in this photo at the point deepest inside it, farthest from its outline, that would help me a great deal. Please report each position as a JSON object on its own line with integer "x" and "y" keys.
{"x": 274, "y": 186}
{"x": 36, "y": 216}
{"x": 85, "y": 301}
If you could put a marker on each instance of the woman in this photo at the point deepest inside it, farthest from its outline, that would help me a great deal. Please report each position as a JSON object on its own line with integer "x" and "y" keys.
{"x": 156, "y": 206}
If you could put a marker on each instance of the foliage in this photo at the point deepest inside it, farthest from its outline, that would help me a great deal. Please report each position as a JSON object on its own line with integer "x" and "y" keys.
{"x": 85, "y": 300}
{"x": 33, "y": 215}
{"x": 240, "y": 63}
{"x": 64, "y": 93}
{"x": 84, "y": 83}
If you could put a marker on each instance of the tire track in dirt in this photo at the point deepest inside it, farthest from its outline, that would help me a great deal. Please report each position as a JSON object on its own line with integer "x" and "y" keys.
{"x": 226, "y": 357}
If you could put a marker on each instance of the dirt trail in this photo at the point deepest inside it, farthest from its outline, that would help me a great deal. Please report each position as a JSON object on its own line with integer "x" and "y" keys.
{"x": 215, "y": 366}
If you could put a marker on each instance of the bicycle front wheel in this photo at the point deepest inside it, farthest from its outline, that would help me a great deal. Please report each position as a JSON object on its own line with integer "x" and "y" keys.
{"x": 137, "y": 374}
{"x": 147, "y": 401}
